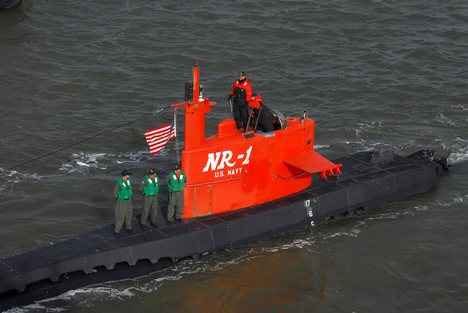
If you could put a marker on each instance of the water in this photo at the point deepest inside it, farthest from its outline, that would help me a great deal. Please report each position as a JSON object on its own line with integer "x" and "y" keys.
{"x": 371, "y": 73}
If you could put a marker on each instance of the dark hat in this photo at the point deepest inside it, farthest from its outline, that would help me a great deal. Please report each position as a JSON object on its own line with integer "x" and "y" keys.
{"x": 126, "y": 172}
{"x": 177, "y": 167}
{"x": 242, "y": 74}
{"x": 152, "y": 171}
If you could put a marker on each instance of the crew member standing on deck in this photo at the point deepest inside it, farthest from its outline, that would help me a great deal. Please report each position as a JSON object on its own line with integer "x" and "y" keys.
{"x": 175, "y": 185}
{"x": 240, "y": 95}
{"x": 123, "y": 209}
{"x": 150, "y": 186}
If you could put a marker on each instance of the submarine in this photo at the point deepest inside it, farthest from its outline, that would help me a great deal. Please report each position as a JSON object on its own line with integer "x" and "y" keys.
{"x": 242, "y": 186}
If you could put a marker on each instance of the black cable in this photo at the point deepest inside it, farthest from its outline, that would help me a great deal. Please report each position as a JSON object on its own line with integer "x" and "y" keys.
{"x": 78, "y": 142}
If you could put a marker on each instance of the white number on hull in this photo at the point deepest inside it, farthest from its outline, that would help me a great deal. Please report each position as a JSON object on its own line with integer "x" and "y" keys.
{"x": 222, "y": 159}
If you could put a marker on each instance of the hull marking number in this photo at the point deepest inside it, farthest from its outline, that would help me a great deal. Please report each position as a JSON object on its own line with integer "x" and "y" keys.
{"x": 310, "y": 213}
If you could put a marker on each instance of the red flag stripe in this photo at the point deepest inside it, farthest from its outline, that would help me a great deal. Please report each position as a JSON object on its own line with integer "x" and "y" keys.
{"x": 157, "y": 130}
{"x": 158, "y": 142}
{"x": 155, "y": 150}
{"x": 161, "y": 144}
{"x": 158, "y": 137}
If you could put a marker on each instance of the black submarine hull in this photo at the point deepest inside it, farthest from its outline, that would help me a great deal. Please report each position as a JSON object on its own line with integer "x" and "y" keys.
{"x": 368, "y": 180}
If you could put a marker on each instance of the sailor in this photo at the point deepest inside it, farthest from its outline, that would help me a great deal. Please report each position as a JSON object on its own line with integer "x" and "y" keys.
{"x": 175, "y": 185}
{"x": 150, "y": 188}
{"x": 123, "y": 209}
{"x": 240, "y": 95}
{"x": 262, "y": 114}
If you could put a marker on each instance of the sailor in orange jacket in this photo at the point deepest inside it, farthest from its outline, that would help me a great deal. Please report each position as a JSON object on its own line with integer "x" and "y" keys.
{"x": 262, "y": 114}
{"x": 240, "y": 95}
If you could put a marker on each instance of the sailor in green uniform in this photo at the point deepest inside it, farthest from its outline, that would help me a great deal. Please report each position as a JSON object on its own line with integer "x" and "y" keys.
{"x": 150, "y": 186}
{"x": 175, "y": 185}
{"x": 123, "y": 209}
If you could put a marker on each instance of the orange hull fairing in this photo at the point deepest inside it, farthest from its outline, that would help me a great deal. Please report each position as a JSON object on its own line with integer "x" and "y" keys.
{"x": 232, "y": 170}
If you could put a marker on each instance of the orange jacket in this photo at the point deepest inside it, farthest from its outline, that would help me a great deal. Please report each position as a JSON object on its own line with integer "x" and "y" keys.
{"x": 246, "y": 85}
{"x": 256, "y": 102}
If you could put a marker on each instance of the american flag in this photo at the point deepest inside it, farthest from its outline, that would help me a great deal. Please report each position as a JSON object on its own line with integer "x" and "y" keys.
{"x": 158, "y": 137}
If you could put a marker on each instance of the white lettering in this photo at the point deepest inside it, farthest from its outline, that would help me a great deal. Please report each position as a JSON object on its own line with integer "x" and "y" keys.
{"x": 246, "y": 161}
{"x": 227, "y": 155}
{"x": 212, "y": 161}
{"x": 223, "y": 159}
{"x": 234, "y": 171}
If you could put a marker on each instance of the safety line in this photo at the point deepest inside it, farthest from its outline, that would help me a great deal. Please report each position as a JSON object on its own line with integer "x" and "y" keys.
{"x": 80, "y": 141}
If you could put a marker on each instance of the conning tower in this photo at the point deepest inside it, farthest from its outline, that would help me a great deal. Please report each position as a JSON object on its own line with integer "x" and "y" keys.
{"x": 231, "y": 170}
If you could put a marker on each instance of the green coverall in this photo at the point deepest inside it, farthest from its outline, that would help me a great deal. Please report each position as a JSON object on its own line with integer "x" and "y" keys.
{"x": 150, "y": 200}
{"x": 123, "y": 209}
{"x": 175, "y": 185}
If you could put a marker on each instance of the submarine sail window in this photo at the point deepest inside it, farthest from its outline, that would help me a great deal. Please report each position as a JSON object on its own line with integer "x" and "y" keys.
{"x": 280, "y": 121}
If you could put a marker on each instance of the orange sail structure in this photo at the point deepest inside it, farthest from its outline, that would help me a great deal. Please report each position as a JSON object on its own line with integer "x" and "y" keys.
{"x": 232, "y": 170}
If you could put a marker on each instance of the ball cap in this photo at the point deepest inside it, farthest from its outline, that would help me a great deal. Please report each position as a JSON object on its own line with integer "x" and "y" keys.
{"x": 242, "y": 73}
{"x": 177, "y": 167}
{"x": 126, "y": 172}
{"x": 152, "y": 171}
